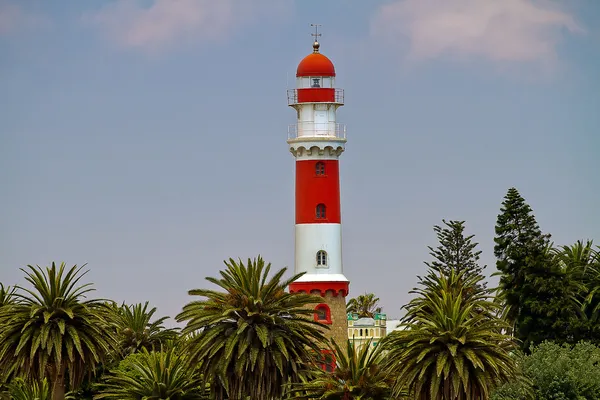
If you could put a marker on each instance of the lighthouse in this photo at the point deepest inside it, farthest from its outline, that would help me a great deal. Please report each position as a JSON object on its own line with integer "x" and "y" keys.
{"x": 317, "y": 140}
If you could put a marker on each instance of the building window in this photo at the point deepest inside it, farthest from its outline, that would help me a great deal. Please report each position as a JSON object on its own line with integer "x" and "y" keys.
{"x": 320, "y": 211}
{"x": 320, "y": 168}
{"x": 321, "y": 258}
{"x": 323, "y": 314}
{"x": 327, "y": 361}
{"x": 320, "y": 314}
{"x": 316, "y": 82}
{"x": 360, "y": 334}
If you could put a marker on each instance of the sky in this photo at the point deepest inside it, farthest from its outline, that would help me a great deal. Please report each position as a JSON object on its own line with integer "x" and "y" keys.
{"x": 148, "y": 138}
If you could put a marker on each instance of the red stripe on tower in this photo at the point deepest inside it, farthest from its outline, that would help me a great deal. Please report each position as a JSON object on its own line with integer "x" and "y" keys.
{"x": 316, "y": 95}
{"x": 317, "y": 192}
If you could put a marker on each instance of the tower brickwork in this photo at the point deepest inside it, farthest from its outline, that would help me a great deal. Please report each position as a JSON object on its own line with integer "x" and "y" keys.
{"x": 339, "y": 321}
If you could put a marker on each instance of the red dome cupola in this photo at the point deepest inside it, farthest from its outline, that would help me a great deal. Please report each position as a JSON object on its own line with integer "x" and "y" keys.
{"x": 315, "y": 64}
{"x": 315, "y": 80}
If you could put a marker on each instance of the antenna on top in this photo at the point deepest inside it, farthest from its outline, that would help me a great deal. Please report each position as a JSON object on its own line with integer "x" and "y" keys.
{"x": 316, "y": 35}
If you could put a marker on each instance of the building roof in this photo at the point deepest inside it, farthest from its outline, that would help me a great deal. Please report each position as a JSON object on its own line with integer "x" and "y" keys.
{"x": 364, "y": 322}
{"x": 315, "y": 64}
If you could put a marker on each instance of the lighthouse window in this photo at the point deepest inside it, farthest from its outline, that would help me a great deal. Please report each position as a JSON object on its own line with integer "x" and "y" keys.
{"x": 328, "y": 361}
{"x": 320, "y": 168}
{"x": 316, "y": 83}
{"x": 322, "y": 258}
{"x": 323, "y": 313}
{"x": 320, "y": 211}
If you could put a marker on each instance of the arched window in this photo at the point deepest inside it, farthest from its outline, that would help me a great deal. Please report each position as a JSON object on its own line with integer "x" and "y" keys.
{"x": 320, "y": 168}
{"x": 371, "y": 333}
{"x": 320, "y": 211}
{"x": 360, "y": 334}
{"x": 321, "y": 258}
{"x": 328, "y": 361}
{"x": 323, "y": 314}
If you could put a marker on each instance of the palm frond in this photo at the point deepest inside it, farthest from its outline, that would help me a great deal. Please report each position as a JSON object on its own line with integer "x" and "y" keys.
{"x": 52, "y": 330}
{"x": 253, "y": 336}
{"x": 453, "y": 345}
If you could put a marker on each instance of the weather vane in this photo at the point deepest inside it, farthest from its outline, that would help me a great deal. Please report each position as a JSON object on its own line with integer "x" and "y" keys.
{"x": 316, "y": 35}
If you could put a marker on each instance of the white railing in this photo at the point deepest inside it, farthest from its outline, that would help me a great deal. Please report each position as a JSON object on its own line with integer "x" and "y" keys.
{"x": 317, "y": 130}
{"x": 292, "y": 96}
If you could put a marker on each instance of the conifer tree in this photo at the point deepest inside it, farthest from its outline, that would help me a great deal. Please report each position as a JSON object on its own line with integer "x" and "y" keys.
{"x": 532, "y": 289}
{"x": 455, "y": 252}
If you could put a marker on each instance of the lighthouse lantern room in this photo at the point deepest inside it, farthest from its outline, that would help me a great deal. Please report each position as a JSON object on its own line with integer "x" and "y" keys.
{"x": 317, "y": 140}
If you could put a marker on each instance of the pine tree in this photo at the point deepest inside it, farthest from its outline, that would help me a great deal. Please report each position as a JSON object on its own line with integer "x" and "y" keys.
{"x": 456, "y": 252}
{"x": 532, "y": 288}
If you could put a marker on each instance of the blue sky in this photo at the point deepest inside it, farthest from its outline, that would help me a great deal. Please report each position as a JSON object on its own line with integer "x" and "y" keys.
{"x": 147, "y": 138}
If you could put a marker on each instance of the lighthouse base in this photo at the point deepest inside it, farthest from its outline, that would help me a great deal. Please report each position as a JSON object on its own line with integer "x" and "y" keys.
{"x": 338, "y": 330}
{"x": 332, "y": 310}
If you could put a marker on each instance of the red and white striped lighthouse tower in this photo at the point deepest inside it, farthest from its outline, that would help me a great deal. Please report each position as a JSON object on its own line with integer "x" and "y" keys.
{"x": 316, "y": 141}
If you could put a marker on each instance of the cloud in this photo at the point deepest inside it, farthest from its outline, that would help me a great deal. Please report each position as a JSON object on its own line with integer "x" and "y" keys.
{"x": 14, "y": 19}
{"x": 506, "y": 31}
{"x": 167, "y": 22}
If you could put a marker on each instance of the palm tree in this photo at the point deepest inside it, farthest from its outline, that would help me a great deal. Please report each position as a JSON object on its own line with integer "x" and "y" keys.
{"x": 6, "y": 298}
{"x": 253, "y": 337}
{"x": 579, "y": 256}
{"x": 453, "y": 347}
{"x": 464, "y": 285}
{"x": 358, "y": 376}
{"x": 365, "y": 305}
{"x": 153, "y": 375}
{"x": 580, "y": 264}
{"x": 136, "y": 330}
{"x": 51, "y": 331}
{"x": 7, "y": 295}
{"x": 21, "y": 389}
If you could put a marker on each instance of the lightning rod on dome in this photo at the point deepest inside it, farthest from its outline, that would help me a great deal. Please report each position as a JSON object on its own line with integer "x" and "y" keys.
{"x": 316, "y": 44}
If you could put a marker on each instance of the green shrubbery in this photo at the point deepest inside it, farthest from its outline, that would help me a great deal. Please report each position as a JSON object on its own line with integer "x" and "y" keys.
{"x": 557, "y": 372}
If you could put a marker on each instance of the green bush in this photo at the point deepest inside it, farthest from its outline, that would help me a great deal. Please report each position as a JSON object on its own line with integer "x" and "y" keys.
{"x": 555, "y": 372}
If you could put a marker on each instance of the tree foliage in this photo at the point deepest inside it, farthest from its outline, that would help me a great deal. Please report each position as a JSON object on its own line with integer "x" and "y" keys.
{"x": 136, "y": 330}
{"x": 153, "y": 375}
{"x": 51, "y": 331}
{"x": 456, "y": 252}
{"x": 7, "y": 295}
{"x": 358, "y": 376}
{"x": 537, "y": 301}
{"x": 554, "y": 371}
{"x": 452, "y": 346}
{"x": 365, "y": 305}
{"x": 21, "y": 389}
{"x": 580, "y": 265}
{"x": 252, "y": 337}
